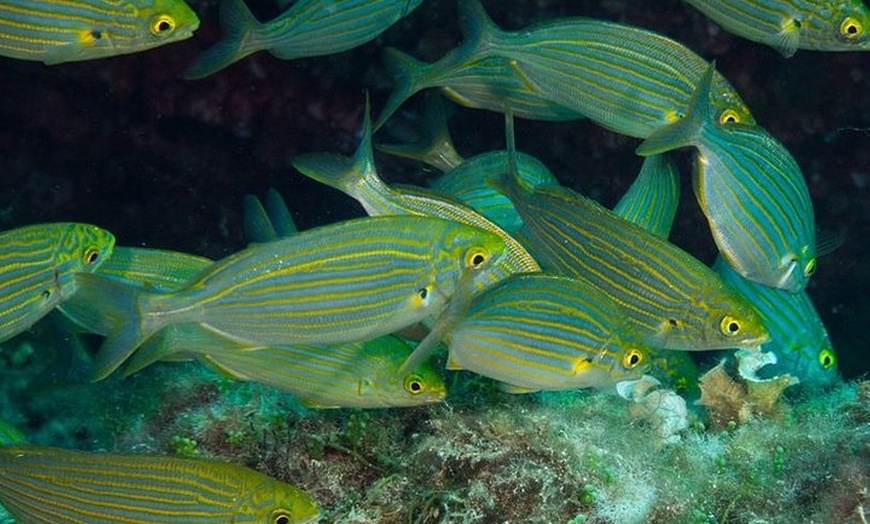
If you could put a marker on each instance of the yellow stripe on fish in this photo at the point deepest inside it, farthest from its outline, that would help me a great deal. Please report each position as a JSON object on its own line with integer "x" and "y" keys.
{"x": 789, "y": 25}
{"x": 544, "y": 332}
{"x": 358, "y": 178}
{"x": 41, "y": 485}
{"x": 72, "y": 30}
{"x": 348, "y": 281}
{"x": 307, "y": 28}
{"x": 37, "y": 268}
{"x": 626, "y": 79}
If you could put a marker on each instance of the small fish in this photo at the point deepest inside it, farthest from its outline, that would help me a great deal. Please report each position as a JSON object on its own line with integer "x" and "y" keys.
{"x": 675, "y": 301}
{"x": 37, "y": 268}
{"x": 470, "y": 80}
{"x": 307, "y": 28}
{"x": 352, "y": 375}
{"x": 53, "y": 32}
{"x": 752, "y": 192}
{"x": 42, "y": 485}
{"x": 789, "y": 25}
{"x": 352, "y": 280}
{"x": 358, "y": 178}
{"x": 543, "y": 332}
{"x": 626, "y": 79}
{"x": 798, "y": 336}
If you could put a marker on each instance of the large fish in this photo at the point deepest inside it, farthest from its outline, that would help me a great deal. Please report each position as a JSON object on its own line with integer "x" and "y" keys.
{"x": 41, "y": 485}
{"x": 37, "y": 268}
{"x": 53, "y": 31}
{"x": 789, "y": 25}
{"x": 752, "y": 191}
{"x": 306, "y": 28}
{"x": 675, "y": 301}
{"x": 626, "y": 79}
{"x": 348, "y": 281}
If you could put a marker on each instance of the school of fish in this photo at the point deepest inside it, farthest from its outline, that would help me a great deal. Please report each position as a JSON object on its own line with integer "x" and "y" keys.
{"x": 518, "y": 278}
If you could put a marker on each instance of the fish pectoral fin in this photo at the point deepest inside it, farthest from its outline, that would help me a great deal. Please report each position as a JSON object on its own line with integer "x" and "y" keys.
{"x": 788, "y": 39}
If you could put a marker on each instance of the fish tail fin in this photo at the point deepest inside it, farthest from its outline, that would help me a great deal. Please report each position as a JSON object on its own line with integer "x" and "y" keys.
{"x": 117, "y": 308}
{"x": 689, "y": 128}
{"x": 435, "y": 147}
{"x": 238, "y": 25}
{"x": 355, "y": 176}
{"x": 405, "y": 71}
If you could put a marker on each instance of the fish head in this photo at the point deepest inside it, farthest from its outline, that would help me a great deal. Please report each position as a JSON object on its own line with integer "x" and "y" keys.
{"x": 731, "y": 321}
{"x": 476, "y": 254}
{"x": 164, "y": 21}
{"x": 796, "y": 269}
{"x": 387, "y": 386}
{"x": 838, "y": 26}
{"x": 84, "y": 247}
{"x": 726, "y": 106}
{"x": 275, "y": 502}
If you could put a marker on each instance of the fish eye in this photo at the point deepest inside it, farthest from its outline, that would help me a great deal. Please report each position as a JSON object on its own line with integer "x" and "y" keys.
{"x": 632, "y": 359}
{"x": 92, "y": 254}
{"x": 414, "y": 384}
{"x": 162, "y": 25}
{"x": 729, "y": 116}
{"x": 729, "y": 326}
{"x": 827, "y": 358}
{"x": 280, "y": 518}
{"x": 851, "y": 28}
{"x": 810, "y": 268}
{"x": 476, "y": 257}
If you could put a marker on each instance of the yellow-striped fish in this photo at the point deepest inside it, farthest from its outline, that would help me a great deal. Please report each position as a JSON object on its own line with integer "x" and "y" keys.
{"x": 675, "y": 301}
{"x": 651, "y": 201}
{"x": 41, "y": 485}
{"x": 37, "y": 268}
{"x": 544, "y": 332}
{"x": 55, "y": 31}
{"x": 358, "y": 178}
{"x": 306, "y": 28}
{"x": 626, "y": 79}
{"x": 753, "y": 193}
{"x": 789, "y": 25}
{"x": 348, "y": 281}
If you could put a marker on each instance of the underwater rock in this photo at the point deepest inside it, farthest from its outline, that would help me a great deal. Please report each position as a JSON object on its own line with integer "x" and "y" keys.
{"x": 730, "y": 399}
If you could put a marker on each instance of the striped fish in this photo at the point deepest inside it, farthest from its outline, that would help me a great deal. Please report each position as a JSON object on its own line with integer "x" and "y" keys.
{"x": 41, "y": 485}
{"x": 675, "y": 301}
{"x": 37, "y": 268}
{"x": 544, "y": 332}
{"x": 470, "y": 80}
{"x": 307, "y": 28}
{"x": 789, "y": 25}
{"x": 798, "y": 337}
{"x": 358, "y": 178}
{"x": 348, "y": 281}
{"x": 351, "y": 375}
{"x": 651, "y": 201}
{"x": 753, "y": 193}
{"x": 626, "y": 79}
{"x": 54, "y": 31}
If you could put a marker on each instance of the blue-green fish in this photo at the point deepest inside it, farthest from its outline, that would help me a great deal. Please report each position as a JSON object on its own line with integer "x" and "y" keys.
{"x": 306, "y": 28}
{"x": 54, "y": 31}
{"x": 753, "y": 193}
{"x": 41, "y": 485}
{"x": 626, "y": 79}
{"x": 352, "y": 375}
{"x": 798, "y": 337}
{"x": 358, "y": 178}
{"x": 651, "y": 201}
{"x": 471, "y": 80}
{"x": 675, "y": 301}
{"x": 348, "y": 281}
{"x": 789, "y": 25}
{"x": 544, "y": 332}
{"x": 37, "y": 268}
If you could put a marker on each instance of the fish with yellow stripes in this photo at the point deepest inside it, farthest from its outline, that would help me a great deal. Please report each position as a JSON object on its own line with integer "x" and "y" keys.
{"x": 53, "y": 31}
{"x": 43, "y": 485}
{"x": 37, "y": 268}
{"x": 752, "y": 192}
{"x": 306, "y": 28}
{"x": 789, "y": 25}
{"x": 352, "y": 280}
{"x": 623, "y": 78}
